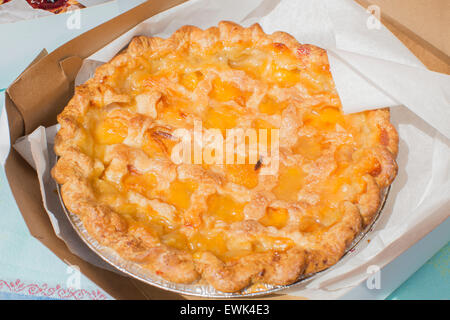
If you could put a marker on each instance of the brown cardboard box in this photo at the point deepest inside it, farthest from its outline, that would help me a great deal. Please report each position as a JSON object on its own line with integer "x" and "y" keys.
{"x": 422, "y": 25}
{"x": 45, "y": 87}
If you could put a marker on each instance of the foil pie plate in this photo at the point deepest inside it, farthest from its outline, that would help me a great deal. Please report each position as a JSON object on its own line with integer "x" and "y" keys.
{"x": 136, "y": 271}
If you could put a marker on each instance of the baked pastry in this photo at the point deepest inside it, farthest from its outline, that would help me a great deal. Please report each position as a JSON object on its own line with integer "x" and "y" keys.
{"x": 223, "y": 223}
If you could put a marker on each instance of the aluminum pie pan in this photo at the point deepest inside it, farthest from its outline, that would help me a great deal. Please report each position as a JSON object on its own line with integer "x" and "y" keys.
{"x": 136, "y": 271}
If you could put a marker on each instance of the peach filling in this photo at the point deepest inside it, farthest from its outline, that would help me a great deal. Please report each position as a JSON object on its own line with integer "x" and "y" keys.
{"x": 290, "y": 182}
{"x": 180, "y": 192}
{"x": 110, "y": 131}
{"x": 275, "y": 217}
{"x": 243, "y": 174}
{"x": 225, "y": 208}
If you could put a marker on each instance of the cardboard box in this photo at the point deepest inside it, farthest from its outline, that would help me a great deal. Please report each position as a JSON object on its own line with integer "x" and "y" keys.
{"x": 423, "y": 27}
{"x": 45, "y": 87}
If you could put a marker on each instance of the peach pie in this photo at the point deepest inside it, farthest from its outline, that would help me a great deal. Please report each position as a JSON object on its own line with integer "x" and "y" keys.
{"x": 226, "y": 224}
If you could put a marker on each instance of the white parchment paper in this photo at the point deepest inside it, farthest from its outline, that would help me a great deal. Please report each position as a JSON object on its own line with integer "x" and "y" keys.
{"x": 371, "y": 69}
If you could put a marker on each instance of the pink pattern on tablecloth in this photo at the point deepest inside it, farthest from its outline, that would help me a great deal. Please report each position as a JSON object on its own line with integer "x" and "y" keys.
{"x": 45, "y": 290}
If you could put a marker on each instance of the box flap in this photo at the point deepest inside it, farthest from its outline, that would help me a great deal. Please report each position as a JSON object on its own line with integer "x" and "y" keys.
{"x": 422, "y": 26}
{"x": 428, "y": 19}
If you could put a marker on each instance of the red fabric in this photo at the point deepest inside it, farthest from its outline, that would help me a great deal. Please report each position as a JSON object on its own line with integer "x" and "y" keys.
{"x": 47, "y": 4}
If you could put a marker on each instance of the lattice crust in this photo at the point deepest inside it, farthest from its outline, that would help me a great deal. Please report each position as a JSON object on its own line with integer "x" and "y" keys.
{"x": 226, "y": 224}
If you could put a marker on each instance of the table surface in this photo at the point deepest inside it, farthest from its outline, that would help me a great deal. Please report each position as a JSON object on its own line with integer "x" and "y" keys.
{"x": 28, "y": 270}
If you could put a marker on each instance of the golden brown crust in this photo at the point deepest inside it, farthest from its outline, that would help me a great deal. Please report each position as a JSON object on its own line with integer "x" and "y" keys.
{"x": 370, "y": 158}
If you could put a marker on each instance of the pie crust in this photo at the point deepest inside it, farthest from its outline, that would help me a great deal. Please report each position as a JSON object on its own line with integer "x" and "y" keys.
{"x": 226, "y": 225}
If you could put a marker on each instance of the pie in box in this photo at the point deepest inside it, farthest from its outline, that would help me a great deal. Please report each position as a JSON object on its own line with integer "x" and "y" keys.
{"x": 224, "y": 224}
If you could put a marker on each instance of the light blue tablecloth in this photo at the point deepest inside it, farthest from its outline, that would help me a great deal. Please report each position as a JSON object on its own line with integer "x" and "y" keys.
{"x": 28, "y": 270}
{"x": 27, "y": 267}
